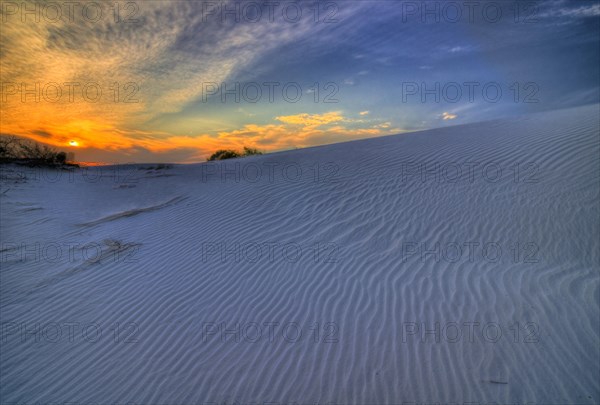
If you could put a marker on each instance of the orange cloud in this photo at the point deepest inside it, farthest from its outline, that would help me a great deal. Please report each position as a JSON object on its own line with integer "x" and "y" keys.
{"x": 312, "y": 119}
{"x": 301, "y": 130}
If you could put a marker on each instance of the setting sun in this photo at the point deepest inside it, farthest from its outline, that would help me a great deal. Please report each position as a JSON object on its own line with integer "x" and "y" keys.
{"x": 73, "y": 143}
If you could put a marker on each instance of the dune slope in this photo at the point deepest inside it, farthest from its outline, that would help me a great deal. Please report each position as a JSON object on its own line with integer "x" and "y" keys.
{"x": 451, "y": 265}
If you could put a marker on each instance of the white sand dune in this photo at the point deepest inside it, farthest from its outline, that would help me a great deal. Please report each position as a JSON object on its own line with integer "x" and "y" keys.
{"x": 328, "y": 241}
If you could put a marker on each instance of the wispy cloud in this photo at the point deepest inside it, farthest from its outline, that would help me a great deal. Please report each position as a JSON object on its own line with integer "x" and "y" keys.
{"x": 162, "y": 62}
{"x": 448, "y": 116}
{"x": 459, "y": 49}
{"x": 584, "y": 11}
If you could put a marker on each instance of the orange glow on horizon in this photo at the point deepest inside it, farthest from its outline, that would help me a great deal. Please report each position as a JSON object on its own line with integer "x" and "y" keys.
{"x": 300, "y": 131}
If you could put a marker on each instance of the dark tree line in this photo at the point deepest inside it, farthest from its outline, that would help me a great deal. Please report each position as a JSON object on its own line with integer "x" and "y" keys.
{"x": 19, "y": 150}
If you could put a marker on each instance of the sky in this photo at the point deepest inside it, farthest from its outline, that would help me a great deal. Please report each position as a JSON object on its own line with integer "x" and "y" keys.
{"x": 173, "y": 81}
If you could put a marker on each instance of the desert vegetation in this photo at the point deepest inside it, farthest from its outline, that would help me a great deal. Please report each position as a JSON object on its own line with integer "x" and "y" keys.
{"x": 22, "y": 151}
{"x": 222, "y": 154}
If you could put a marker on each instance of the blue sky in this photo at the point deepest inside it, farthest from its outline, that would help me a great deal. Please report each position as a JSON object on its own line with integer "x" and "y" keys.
{"x": 372, "y": 60}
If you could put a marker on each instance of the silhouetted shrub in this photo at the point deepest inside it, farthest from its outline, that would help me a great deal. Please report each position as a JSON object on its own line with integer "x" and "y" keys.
{"x": 230, "y": 153}
{"x": 61, "y": 158}
{"x": 251, "y": 151}
{"x": 22, "y": 151}
{"x": 224, "y": 154}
